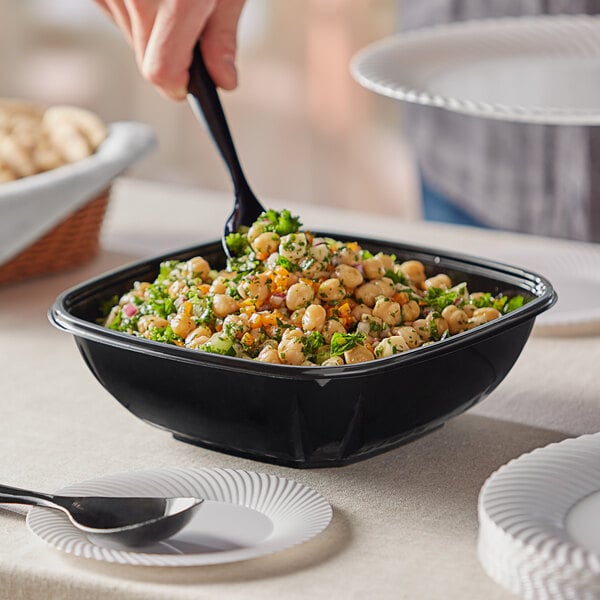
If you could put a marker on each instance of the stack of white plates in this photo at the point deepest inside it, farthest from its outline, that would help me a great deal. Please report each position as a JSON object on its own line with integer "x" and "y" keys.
{"x": 539, "y": 522}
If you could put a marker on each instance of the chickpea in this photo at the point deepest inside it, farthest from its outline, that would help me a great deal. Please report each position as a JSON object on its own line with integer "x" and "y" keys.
{"x": 182, "y": 325}
{"x": 347, "y": 256}
{"x": 415, "y": 271}
{"x": 333, "y": 361}
{"x": 269, "y": 354}
{"x": 373, "y": 268}
{"x": 200, "y": 332}
{"x": 386, "y": 260}
{"x": 140, "y": 288}
{"x": 410, "y": 335}
{"x": 177, "y": 288}
{"x": 388, "y": 311}
{"x": 255, "y": 230}
{"x": 312, "y": 269}
{"x": 265, "y": 243}
{"x": 236, "y": 325}
{"x": 421, "y": 326}
{"x": 198, "y": 266}
{"x": 320, "y": 253}
{"x": 224, "y": 305}
{"x": 489, "y": 313}
{"x": 148, "y": 321}
{"x": 368, "y": 292}
{"x": 197, "y": 341}
{"x": 385, "y": 286}
{"x": 410, "y": 311}
{"x": 298, "y": 295}
{"x": 330, "y": 327}
{"x": 254, "y": 289}
{"x": 297, "y": 316}
{"x": 436, "y": 325}
{"x": 331, "y": 290}
{"x": 482, "y": 315}
{"x": 469, "y": 309}
{"x": 371, "y": 326}
{"x": 219, "y": 284}
{"x": 358, "y": 354}
{"x": 291, "y": 351}
{"x": 456, "y": 318}
{"x": 349, "y": 277}
{"x": 291, "y": 333}
{"x": 439, "y": 281}
{"x": 314, "y": 318}
{"x": 293, "y": 247}
{"x": 359, "y": 310}
{"x": 390, "y": 346}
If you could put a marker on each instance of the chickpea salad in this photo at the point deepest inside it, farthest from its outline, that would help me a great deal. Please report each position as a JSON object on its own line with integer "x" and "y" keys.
{"x": 290, "y": 297}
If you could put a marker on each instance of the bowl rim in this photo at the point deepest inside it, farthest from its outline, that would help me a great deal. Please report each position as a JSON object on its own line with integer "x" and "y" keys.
{"x": 544, "y": 297}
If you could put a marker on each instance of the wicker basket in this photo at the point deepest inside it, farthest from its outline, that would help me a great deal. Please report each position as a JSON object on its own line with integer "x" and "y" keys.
{"x": 69, "y": 244}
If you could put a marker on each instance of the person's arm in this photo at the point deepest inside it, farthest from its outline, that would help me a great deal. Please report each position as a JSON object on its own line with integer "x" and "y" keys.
{"x": 163, "y": 33}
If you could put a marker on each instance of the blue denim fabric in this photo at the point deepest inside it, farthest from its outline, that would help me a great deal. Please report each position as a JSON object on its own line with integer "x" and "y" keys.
{"x": 437, "y": 207}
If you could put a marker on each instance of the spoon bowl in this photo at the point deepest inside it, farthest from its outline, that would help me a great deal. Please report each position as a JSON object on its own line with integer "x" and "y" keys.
{"x": 205, "y": 103}
{"x": 130, "y": 521}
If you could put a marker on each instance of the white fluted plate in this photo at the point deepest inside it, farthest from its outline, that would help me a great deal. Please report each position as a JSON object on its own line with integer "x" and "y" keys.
{"x": 574, "y": 271}
{"x": 538, "y": 522}
{"x": 245, "y": 515}
{"x": 542, "y": 69}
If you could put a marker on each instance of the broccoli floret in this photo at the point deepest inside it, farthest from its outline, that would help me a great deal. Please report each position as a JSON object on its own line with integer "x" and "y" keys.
{"x": 237, "y": 243}
{"x": 281, "y": 222}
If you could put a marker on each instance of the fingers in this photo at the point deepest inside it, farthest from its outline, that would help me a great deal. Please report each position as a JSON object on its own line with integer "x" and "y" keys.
{"x": 142, "y": 15}
{"x": 118, "y": 13}
{"x": 219, "y": 43}
{"x": 163, "y": 34}
{"x": 177, "y": 27}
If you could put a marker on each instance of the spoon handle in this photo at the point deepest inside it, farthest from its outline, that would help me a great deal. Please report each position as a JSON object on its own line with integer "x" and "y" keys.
{"x": 12, "y": 495}
{"x": 204, "y": 100}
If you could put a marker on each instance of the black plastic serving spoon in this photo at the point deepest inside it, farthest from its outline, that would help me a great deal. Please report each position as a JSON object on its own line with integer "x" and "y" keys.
{"x": 127, "y": 520}
{"x": 204, "y": 100}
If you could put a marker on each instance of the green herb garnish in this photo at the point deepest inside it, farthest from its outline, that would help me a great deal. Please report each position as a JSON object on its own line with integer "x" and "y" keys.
{"x": 342, "y": 342}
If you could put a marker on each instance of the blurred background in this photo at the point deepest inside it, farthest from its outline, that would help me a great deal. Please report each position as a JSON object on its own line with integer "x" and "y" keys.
{"x": 305, "y": 130}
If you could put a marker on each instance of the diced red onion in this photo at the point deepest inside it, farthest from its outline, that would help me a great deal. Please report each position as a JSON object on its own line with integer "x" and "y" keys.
{"x": 130, "y": 310}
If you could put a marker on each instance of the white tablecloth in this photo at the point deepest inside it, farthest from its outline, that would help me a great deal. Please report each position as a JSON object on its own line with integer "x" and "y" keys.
{"x": 405, "y": 522}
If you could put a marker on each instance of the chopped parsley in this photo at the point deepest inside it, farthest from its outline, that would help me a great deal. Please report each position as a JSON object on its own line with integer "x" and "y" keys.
{"x": 396, "y": 277}
{"x": 311, "y": 344}
{"x": 438, "y": 298}
{"x": 342, "y": 342}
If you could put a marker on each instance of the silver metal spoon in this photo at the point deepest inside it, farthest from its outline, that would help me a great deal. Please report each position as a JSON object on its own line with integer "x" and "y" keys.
{"x": 127, "y": 520}
{"x": 205, "y": 103}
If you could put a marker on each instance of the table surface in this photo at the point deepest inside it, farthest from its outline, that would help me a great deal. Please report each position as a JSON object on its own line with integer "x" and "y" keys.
{"x": 404, "y": 523}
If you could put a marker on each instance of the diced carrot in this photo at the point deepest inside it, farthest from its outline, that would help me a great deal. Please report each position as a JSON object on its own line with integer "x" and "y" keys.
{"x": 401, "y": 298}
{"x": 269, "y": 319}
{"x": 248, "y": 339}
{"x": 255, "y": 321}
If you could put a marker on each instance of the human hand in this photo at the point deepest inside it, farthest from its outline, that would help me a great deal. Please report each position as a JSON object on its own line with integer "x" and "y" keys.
{"x": 163, "y": 34}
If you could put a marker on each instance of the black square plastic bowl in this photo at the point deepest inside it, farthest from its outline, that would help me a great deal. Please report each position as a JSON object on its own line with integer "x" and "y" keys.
{"x": 304, "y": 416}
